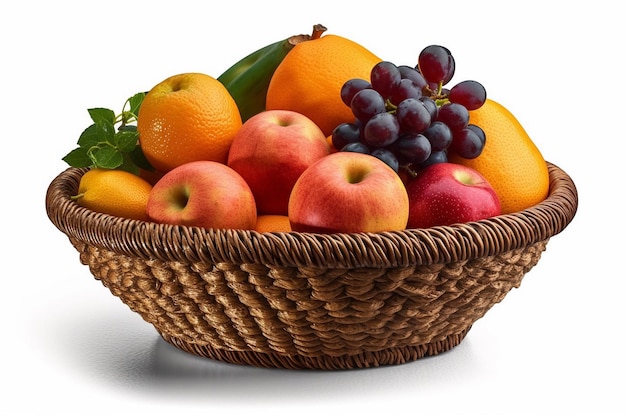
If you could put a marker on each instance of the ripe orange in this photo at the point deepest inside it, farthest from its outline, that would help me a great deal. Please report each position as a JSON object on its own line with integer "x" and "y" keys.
{"x": 187, "y": 117}
{"x": 272, "y": 223}
{"x": 510, "y": 161}
{"x": 310, "y": 77}
{"x": 116, "y": 192}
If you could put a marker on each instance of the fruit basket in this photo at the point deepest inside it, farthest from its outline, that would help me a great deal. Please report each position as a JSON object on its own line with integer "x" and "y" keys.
{"x": 304, "y": 300}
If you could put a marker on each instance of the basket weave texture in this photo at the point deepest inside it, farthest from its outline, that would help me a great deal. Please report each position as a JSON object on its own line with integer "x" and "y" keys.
{"x": 303, "y": 300}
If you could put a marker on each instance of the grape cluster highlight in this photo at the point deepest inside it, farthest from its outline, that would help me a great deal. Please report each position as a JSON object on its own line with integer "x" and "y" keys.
{"x": 406, "y": 117}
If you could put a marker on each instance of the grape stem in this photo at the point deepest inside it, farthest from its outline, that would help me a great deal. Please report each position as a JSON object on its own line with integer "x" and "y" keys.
{"x": 412, "y": 173}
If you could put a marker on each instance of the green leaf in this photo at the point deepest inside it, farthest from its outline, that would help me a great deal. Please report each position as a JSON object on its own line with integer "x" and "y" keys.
{"x": 126, "y": 141}
{"x": 78, "y": 158}
{"x": 139, "y": 159}
{"x": 127, "y": 128}
{"x": 135, "y": 103}
{"x": 89, "y": 137}
{"x": 108, "y": 157}
{"x": 129, "y": 165}
{"x": 105, "y": 131}
{"x": 100, "y": 114}
{"x": 111, "y": 141}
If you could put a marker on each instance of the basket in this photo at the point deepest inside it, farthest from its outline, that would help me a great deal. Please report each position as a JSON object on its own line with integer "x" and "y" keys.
{"x": 304, "y": 300}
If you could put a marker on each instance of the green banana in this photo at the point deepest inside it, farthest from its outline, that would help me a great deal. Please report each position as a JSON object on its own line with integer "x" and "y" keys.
{"x": 248, "y": 79}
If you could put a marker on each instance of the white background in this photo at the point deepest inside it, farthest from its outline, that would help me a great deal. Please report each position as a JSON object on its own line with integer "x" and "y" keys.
{"x": 553, "y": 347}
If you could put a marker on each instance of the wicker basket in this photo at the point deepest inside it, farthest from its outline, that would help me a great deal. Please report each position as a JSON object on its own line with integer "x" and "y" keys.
{"x": 299, "y": 300}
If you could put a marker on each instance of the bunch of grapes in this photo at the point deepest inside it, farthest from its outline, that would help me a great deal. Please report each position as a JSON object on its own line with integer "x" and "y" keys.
{"x": 407, "y": 118}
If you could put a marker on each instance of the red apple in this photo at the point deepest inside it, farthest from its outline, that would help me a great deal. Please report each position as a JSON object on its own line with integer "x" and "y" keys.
{"x": 448, "y": 193}
{"x": 203, "y": 193}
{"x": 271, "y": 150}
{"x": 347, "y": 192}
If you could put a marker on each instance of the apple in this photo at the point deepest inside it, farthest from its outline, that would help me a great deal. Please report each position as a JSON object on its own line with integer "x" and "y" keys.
{"x": 347, "y": 192}
{"x": 271, "y": 150}
{"x": 447, "y": 193}
{"x": 203, "y": 193}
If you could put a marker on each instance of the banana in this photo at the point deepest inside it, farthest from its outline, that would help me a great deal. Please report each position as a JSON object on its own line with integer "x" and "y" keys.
{"x": 248, "y": 79}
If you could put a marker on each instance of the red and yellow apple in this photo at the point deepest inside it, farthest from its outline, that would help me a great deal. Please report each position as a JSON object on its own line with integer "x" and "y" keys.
{"x": 203, "y": 193}
{"x": 271, "y": 150}
{"x": 347, "y": 192}
{"x": 447, "y": 193}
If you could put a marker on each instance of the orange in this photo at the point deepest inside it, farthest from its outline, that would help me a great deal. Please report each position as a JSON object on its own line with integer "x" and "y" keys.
{"x": 310, "y": 77}
{"x": 510, "y": 161}
{"x": 272, "y": 223}
{"x": 116, "y": 192}
{"x": 187, "y": 117}
{"x": 329, "y": 139}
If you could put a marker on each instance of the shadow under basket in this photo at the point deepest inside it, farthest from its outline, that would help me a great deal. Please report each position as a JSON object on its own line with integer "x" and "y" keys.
{"x": 304, "y": 300}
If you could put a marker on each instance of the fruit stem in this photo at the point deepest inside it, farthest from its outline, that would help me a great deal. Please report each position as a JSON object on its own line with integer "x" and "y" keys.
{"x": 77, "y": 197}
{"x": 318, "y": 29}
{"x": 317, "y": 33}
{"x": 410, "y": 171}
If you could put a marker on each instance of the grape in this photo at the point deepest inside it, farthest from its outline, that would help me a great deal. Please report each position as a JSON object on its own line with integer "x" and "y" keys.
{"x": 454, "y": 115}
{"x": 387, "y": 157}
{"x": 384, "y": 78}
{"x": 366, "y": 103}
{"x": 439, "y": 136}
{"x": 435, "y": 158}
{"x": 381, "y": 130}
{"x": 345, "y": 133}
{"x": 406, "y": 88}
{"x": 471, "y": 94}
{"x": 411, "y": 149}
{"x": 351, "y": 87}
{"x": 436, "y": 64}
{"x": 481, "y": 133}
{"x": 411, "y": 73}
{"x": 451, "y": 70}
{"x": 431, "y": 106}
{"x": 467, "y": 144}
{"x": 357, "y": 147}
{"x": 413, "y": 116}
{"x": 407, "y": 116}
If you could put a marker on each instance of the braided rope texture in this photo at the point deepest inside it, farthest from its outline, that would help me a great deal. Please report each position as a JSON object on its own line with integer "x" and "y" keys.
{"x": 297, "y": 300}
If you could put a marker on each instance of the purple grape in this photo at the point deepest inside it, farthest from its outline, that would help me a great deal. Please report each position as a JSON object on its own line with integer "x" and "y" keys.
{"x": 411, "y": 73}
{"x": 466, "y": 144}
{"x": 413, "y": 116}
{"x": 345, "y": 133}
{"x": 436, "y": 64}
{"x": 435, "y": 158}
{"x": 439, "y": 136}
{"x": 381, "y": 130}
{"x": 431, "y": 106}
{"x": 481, "y": 133}
{"x": 384, "y": 78}
{"x": 351, "y": 87}
{"x": 405, "y": 89}
{"x": 366, "y": 103}
{"x": 454, "y": 115}
{"x": 357, "y": 147}
{"x": 471, "y": 94}
{"x": 451, "y": 70}
{"x": 387, "y": 157}
{"x": 411, "y": 149}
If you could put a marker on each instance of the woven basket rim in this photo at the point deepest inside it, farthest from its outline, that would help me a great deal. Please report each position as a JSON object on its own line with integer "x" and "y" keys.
{"x": 442, "y": 244}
